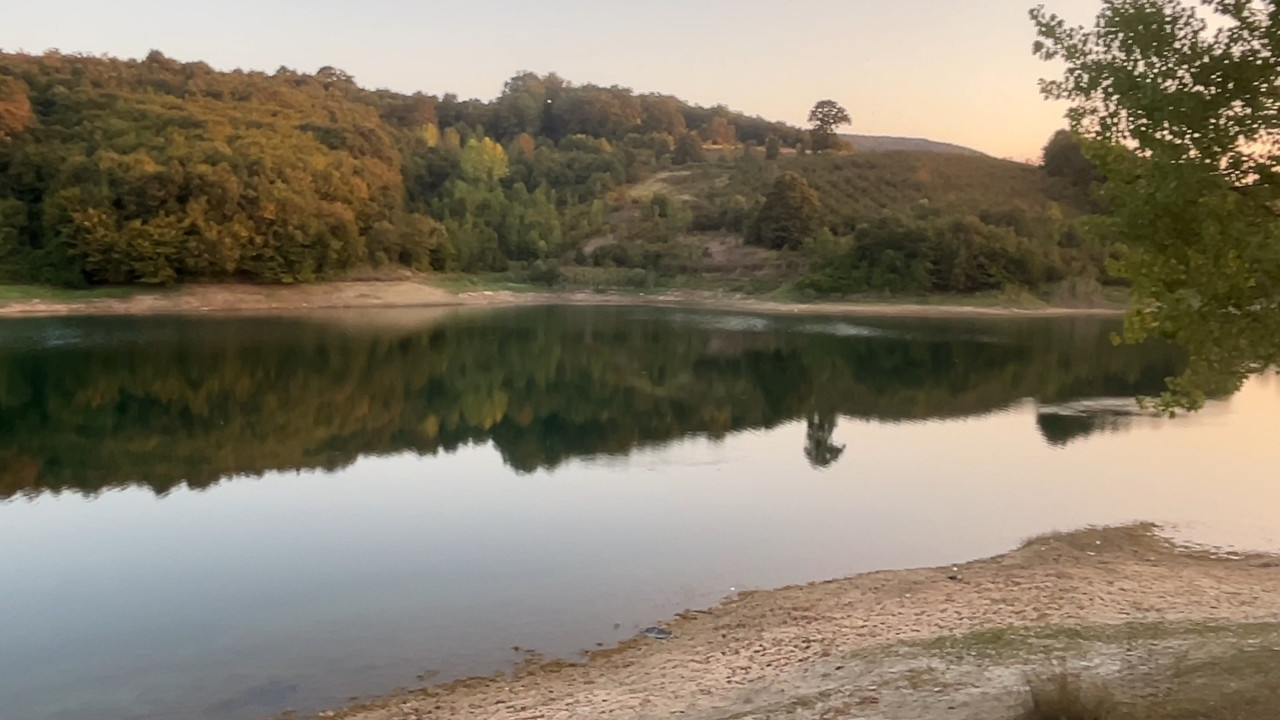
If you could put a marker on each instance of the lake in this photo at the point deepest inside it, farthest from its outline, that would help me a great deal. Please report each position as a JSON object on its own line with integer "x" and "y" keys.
{"x": 221, "y": 518}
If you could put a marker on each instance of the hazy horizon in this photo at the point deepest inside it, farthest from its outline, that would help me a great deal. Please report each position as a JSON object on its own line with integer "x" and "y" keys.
{"x": 963, "y": 75}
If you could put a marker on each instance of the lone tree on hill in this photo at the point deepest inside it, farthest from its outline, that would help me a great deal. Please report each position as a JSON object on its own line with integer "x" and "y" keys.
{"x": 789, "y": 214}
{"x": 826, "y": 116}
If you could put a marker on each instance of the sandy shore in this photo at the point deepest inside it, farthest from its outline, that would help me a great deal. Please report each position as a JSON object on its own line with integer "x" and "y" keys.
{"x": 950, "y": 642}
{"x": 193, "y": 299}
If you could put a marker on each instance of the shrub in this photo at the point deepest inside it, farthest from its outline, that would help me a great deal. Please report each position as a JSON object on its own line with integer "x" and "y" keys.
{"x": 545, "y": 272}
{"x": 1064, "y": 696}
{"x": 789, "y": 214}
{"x": 961, "y": 255}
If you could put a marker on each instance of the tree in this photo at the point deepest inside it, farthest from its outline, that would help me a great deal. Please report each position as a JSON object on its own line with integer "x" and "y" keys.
{"x": 819, "y": 449}
{"x": 789, "y": 214}
{"x": 1183, "y": 121}
{"x": 1063, "y": 158}
{"x": 688, "y": 150}
{"x": 483, "y": 161}
{"x": 661, "y": 114}
{"x": 772, "y": 148}
{"x": 15, "y": 107}
{"x": 826, "y": 116}
{"x": 719, "y": 131}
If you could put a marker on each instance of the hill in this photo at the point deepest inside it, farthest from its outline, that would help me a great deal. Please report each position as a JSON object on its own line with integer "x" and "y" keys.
{"x": 884, "y": 143}
{"x": 154, "y": 171}
{"x": 918, "y": 222}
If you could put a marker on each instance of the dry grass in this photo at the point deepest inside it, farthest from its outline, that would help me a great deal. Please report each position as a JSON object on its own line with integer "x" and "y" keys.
{"x": 1244, "y": 685}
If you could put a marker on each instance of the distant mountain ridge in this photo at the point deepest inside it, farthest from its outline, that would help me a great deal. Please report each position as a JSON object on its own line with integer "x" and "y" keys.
{"x": 883, "y": 143}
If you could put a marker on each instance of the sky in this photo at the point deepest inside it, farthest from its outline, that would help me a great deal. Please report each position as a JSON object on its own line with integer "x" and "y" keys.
{"x": 957, "y": 71}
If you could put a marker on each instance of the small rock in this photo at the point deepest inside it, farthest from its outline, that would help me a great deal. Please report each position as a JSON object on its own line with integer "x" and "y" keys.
{"x": 656, "y": 633}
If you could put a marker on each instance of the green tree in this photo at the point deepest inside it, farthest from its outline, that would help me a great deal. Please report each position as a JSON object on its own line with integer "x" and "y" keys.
{"x": 661, "y": 114}
{"x": 772, "y": 148}
{"x": 688, "y": 150}
{"x": 1064, "y": 158}
{"x": 825, "y": 117}
{"x": 789, "y": 215}
{"x": 819, "y": 449}
{"x": 1178, "y": 107}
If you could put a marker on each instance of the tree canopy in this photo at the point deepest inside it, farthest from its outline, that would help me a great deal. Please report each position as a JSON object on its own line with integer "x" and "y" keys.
{"x": 1064, "y": 158}
{"x": 825, "y": 117}
{"x": 1179, "y": 108}
{"x": 688, "y": 150}
{"x": 789, "y": 214}
{"x": 155, "y": 171}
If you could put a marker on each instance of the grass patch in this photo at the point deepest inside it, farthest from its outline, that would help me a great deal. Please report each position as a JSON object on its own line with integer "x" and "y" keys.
{"x": 25, "y": 293}
{"x": 1012, "y": 644}
{"x": 1243, "y": 684}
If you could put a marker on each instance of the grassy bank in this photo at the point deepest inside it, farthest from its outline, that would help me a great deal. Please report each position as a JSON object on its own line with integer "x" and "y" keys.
{"x": 27, "y": 293}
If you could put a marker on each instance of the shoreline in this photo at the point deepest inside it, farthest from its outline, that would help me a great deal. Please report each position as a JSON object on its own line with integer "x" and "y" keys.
{"x": 350, "y": 295}
{"x": 960, "y": 638}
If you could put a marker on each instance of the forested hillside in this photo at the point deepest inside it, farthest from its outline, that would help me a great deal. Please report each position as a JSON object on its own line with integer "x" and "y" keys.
{"x": 154, "y": 171}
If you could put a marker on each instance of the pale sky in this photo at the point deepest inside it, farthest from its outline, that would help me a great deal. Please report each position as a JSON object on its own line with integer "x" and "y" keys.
{"x": 952, "y": 70}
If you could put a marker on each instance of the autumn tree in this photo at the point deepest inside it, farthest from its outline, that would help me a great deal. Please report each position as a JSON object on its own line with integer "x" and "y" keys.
{"x": 789, "y": 215}
{"x": 825, "y": 117}
{"x": 1177, "y": 105}
{"x": 719, "y": 131}
{"x": 15, "y": 107}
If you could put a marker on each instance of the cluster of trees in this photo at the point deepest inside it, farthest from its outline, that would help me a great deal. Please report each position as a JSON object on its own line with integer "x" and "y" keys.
{"x": 950, "y": 255}
{"x": 154, "y": 171}
{"x": 1176, "y": 104}
{"x": 236, "y": 399}
{"x": 917, "y": 222}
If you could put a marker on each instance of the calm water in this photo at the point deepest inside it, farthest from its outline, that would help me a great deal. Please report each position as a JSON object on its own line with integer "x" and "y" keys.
{"x": 224, "y": 518}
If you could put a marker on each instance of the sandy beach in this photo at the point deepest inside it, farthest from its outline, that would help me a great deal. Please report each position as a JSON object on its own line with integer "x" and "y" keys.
{"x": 951, "y": 642}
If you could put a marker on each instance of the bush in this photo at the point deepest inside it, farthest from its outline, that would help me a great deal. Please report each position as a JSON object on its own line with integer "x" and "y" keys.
{"x": 545, "y": 272}
{"x": 961, "y": 255}
{"x": 1064, "y": 696}
{"x": 618, "y": 254}
{"x": 637, "y": 278}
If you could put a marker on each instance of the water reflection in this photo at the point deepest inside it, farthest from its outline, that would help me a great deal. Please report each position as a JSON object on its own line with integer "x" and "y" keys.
{"x": 88, "y": 404}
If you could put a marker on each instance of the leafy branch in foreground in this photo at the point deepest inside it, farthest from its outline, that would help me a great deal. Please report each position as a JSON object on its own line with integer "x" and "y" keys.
{"x": 1180, "y": 110}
